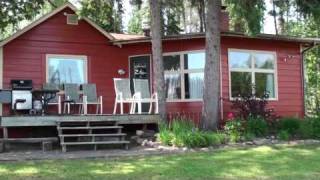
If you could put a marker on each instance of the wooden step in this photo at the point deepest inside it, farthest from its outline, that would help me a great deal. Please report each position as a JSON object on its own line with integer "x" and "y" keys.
{"x": 92, "y": 135}
{"x": 89, "y": 127}
{"x": 94, "y": 143}
{"x": 85, "y": 120}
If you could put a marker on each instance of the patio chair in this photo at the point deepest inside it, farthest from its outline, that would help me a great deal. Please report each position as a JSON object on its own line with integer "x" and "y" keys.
{"x": 142, "y": 95}
{"x": 123, "y": 94}
{"x": 90, "y": 98}
{"x": 55, "y": 101}
{"x": 71, "y": 97}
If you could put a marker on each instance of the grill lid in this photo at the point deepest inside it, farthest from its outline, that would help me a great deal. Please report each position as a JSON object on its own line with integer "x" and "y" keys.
{"x": 18, "y": 84}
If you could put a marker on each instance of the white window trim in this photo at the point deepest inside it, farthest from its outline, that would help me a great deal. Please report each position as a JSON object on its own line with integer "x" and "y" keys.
{"x": 181, "y": 72}
{"x": 67, "y": 56}
{"x": 254, "y": 70}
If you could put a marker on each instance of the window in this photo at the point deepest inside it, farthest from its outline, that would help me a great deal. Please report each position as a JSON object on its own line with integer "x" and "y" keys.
{"x": 252, "y": 72}
{"x": 184, "y": 75}
{"x": 66, "y": 69}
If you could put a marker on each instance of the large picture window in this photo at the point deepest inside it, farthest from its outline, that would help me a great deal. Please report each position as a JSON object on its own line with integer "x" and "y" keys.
{"x": 252, "y": 72}
{"x": 184, "y": 75}
{"x": 66, "y": 69}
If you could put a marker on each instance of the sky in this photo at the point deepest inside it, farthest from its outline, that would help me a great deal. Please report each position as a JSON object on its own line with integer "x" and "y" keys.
{"x": 268, "y": 21}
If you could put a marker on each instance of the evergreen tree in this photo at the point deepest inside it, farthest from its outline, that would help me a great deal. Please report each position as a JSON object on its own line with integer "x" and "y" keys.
{"x": 106, "y": 13}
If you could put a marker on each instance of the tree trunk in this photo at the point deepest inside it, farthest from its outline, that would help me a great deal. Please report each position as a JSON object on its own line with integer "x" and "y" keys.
{"x": 274, "y": 17}
{"x": 157, "y": 59}
{"x": 211, "y": 91}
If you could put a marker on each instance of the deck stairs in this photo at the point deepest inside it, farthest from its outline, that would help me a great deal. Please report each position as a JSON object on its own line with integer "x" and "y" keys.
{"x": 90, "y": 132}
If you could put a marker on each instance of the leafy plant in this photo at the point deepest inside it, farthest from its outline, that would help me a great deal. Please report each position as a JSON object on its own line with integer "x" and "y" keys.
{"x": 316, "y": 127}
{"x": 234, "y": 129}
{"x": 289, "y": 124}
{"x": 165, "y": 135}
{"x": 249, "y": 104}
{"x": 256, "y": 126}
{"x": 249, "y": 136}
{"x": 284, "y": 135}
{"x": 306, "y": 129}
{"x": 182, "y": 133}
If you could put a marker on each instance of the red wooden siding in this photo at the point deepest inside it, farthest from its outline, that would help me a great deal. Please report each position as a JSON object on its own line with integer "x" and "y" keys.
{"x": 24, "y": 58}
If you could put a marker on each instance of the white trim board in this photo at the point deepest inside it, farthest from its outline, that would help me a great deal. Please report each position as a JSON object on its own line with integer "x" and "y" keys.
{"x": 67, "y": 56}
{"x": 47, "y": 16}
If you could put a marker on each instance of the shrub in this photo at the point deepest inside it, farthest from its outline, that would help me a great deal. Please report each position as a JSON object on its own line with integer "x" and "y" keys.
{"x": 284, "y": 135}
{"x": 249, "y": 136}
{"x": 249, "y": 104}
{"x": 214, "y": 138}
{"x": 183, "y": 133}
{"x": 165, "y": 135}
{"x": 256, "y": 126}
{"x": 315, "y": 122}
{"x": 306, "y": 129}
{"x": 234, "y": 129}
{"x": 289, "y": 124}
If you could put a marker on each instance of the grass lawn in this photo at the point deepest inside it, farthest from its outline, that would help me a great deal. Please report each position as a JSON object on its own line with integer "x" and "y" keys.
{"x": 279, "y": 162}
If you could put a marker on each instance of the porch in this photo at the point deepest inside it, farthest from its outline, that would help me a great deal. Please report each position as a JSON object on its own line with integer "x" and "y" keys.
{"x": 96, "y": 129}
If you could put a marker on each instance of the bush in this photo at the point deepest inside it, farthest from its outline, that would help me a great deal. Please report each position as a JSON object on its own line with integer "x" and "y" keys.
{"x": 256, "y": 126}
{"x": 183, "y": 133}
{"x": 234, "y": 129}
{"x": 165, "y": 135}
{"x": 249, "y": 104}
{"x": 284, "y": 135}
{"x": 289, "y": 124}
{"x": 315, "y": 122}
{"x": 249, "y": 136}
{"x": 306, "y": 129}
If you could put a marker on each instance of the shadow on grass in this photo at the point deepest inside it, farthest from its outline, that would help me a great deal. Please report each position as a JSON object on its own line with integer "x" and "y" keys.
{"x": 266, "y": 162}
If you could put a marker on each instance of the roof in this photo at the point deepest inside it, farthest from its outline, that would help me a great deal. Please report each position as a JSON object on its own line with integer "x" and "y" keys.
{"x": 121, "y": 39}
{"x": 132, "y": 40}
{"x": 47, "y": 16}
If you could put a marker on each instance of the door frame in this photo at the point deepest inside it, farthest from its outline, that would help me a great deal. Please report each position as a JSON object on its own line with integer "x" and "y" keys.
{"x": 151, "y": 69}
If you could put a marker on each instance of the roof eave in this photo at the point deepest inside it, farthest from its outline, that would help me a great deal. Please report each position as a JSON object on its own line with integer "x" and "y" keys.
{"x": 224, "y": 34}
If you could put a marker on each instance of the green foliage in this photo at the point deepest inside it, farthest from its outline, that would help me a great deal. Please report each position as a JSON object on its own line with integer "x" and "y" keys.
{"x": 251, "y": 12}
{"x": 306, "y": 129}
{"x": 13, "y": 12}
{"x": 106, "y": 13}
{"x": 290, "y": 125}
{"x": 234, "y": 129}
{"x": 256, "y": 126}
{"x": 248, "y": 136}
{"x": 310, "y": 128}
{"x": 183, "y": 133}
{"x": 165, "y": 135}
{"x": 284, "y": 135}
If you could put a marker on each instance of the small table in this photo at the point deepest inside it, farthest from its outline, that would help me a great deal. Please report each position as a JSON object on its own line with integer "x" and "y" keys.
{"x": 45, "y": 96}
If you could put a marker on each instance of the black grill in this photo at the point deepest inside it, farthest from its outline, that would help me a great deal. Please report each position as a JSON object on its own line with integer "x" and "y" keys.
{"x": 21, "y": 84}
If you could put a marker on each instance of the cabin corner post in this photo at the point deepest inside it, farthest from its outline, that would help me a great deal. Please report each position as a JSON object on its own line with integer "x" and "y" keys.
{"x": 1, "y": 74}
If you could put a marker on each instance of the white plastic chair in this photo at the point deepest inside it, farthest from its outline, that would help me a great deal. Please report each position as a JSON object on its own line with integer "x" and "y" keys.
{"x": 123, "y": 94}
{"x": 142, "y": 95}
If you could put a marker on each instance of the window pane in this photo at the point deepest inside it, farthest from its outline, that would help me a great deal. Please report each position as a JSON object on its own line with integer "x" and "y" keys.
{"x": 264, "y": 61}
{"x": 193, "y": 85}
{"x": 171, "y": 63}
{"x": 173, "y": 86}
{"x": 264, "y": 83}
{"x": 63, "y": 70}
{"x": 194, "y": 60}
{"x": 239, "y": 60}
{"x": 240, "y": 83}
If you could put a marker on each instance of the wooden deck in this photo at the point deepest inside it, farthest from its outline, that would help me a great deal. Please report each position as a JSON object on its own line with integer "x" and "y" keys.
{"x": 28, "y": 121}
